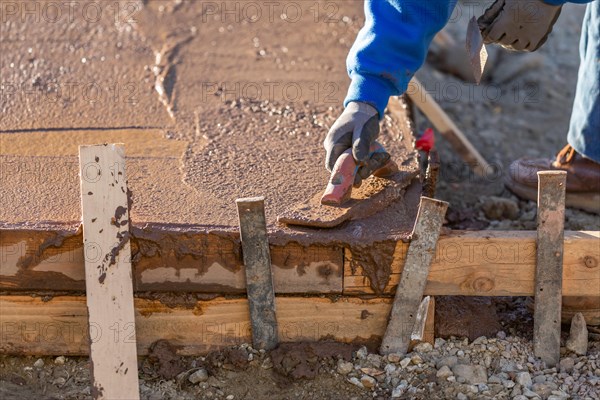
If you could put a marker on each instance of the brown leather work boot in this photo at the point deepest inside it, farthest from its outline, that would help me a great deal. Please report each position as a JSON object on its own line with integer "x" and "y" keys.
{"x": 583, "y": 178}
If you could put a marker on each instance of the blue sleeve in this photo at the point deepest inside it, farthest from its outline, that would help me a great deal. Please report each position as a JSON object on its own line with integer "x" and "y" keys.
{"x": 392, "y": 46}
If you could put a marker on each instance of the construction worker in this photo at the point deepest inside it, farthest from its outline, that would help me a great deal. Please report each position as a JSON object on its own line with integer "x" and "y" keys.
{"x": 393, "y": 44}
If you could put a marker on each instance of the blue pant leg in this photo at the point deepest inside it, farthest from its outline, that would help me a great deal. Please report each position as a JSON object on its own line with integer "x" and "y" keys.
{"x": 584, "y": 129}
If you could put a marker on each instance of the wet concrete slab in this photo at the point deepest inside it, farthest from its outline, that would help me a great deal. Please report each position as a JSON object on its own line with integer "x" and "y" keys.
{"x": 229, "y": 106}
{"x": 40, "y": 184}
{"x": 78, "y": 64}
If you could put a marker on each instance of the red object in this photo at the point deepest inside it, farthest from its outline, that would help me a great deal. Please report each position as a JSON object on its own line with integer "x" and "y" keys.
{"x": 426, "y": 141}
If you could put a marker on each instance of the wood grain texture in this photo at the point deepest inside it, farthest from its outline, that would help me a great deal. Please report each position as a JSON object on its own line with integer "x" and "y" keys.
{"x": 426, "y": 331}
{"x": 109, "y": 286}
{"x": 549, "y": 265}
{"x": 33, "y": 326}
{"x": 491, "y": 263}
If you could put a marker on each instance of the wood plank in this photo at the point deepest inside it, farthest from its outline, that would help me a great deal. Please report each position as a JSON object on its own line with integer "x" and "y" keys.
{"x": 409, "y": 292}
{"x": 447, "y": 128}
{"x": 429, "y": 332}
{"x": 108, "y": 278}
{"x": 30, "y": 325}
{"x": 549, "y": 265}
{"x": 165, "y": 261}
{"x": 486, "y": 263}
{"x": 259, "y": 278}
{"x": 491, "y": 263}
{"x": 426, "y": 332}
{"x": 418, "y": 331}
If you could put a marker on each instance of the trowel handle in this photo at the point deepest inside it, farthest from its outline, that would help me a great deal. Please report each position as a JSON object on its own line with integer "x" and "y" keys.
{"x": 339, "y": 188}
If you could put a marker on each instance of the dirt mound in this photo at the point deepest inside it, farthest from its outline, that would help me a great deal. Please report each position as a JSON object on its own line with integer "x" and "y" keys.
{"x": 302, "y": 360}
{"x": 163, "y": 361}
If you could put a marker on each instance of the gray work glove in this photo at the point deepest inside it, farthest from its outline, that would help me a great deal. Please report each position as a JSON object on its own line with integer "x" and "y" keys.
{"x": 356, "y": 128}
{"x": 522, "y": 25}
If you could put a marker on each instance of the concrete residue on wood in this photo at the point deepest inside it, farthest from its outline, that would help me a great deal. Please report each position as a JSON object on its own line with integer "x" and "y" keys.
{"x": 166, "y": 258}
{"x": 45, "y": 245}
{"x": 186, "y": 249}
{"x": 376, "y": 262}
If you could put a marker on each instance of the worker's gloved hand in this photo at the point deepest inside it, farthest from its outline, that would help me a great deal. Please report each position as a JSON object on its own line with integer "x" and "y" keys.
{"x": 522, "y": 25}
{"x": 356, "y": 128}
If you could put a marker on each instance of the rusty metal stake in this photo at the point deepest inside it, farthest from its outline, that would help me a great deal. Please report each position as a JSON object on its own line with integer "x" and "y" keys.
{"x": 549, "y": 261}
{"x": 259, "y": 279}
{"x": 410, "y": 290}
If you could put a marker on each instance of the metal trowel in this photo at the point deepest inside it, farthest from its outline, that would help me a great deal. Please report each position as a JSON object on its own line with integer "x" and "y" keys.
{"x": 476, "y": 49}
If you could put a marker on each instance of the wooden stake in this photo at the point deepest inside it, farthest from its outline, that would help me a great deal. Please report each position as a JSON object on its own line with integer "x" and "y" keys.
{"x": 418, "y": 332}
{"x": 549, "y": 265}
{"x": 414, "y": 276}
{"x": 259, "y": 279}
{"x": 447, "y": 128}
{"x": 424, "y": 329}
{"x": 109, "y": 288}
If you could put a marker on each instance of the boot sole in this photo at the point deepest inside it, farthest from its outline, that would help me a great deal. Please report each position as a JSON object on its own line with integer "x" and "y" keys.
{"x": 585, "y": 201}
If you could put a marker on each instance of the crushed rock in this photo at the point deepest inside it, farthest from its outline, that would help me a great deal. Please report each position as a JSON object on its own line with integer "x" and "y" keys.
{"x": 578, "y": 337}
{"x": 453, "y": 368}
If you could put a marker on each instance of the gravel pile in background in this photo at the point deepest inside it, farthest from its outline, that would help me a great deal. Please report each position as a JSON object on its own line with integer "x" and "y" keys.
{"x": 495, "y": 368}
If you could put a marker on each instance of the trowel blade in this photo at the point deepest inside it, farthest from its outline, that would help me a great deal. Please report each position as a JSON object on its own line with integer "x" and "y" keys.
{"x": 477, "y": 53}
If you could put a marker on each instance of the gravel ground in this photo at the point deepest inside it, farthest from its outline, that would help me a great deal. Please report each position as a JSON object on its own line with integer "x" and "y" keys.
{"x": 502, "y": 367}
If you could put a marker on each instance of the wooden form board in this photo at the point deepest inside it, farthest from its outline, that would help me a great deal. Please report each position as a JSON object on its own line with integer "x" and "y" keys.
{"x": 108, "y": 277}
{"x": 492, "y": 263}
{"x": 27, "y": 262}
{"x": 30, "y": 325}
{"x": 484, "y": 263}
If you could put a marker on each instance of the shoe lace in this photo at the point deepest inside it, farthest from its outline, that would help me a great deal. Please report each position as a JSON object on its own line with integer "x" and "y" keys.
{"x": 566, "y": 155}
